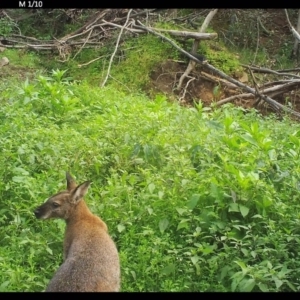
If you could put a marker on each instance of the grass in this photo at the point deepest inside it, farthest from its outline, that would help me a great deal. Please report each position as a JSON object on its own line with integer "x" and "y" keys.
{"x": 196, "y": 199}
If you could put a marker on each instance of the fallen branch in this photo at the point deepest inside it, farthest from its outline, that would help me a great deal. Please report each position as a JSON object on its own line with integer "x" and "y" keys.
{"x": 189, "y": 34}
{"x": 141, "y": 26}
{"x": 138, "y": 14}
{"x": 116, "y": 48}
{"x": 265, "y": 70}
{"x": 281, "y": 88}
{"x": 266, "y": 31}
{"x": 192, "y": 64}
{"x": 86, "y": 40}
{"x": 217, "y": 80}
{"x": 289, "y": 70}
{"x": 91, "y": 61}
{"x": 86, "y": 26}
{"x": 185, "y": 89}
{"x": 274, "y": 104}
{"x": 294, "y": 31}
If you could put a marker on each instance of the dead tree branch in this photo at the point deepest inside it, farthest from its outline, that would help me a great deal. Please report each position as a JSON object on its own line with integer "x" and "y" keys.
{"x": 98, "y": 15}
{"x": 296, "y": 43}
{"x": 192, "y": 64}
{"x": 279, "y": 89}
{"x": 86, "y": 40}
{"x": 116, "y": 48}
{"x": 265, "y": 70}
{"x": 189, "y": 34}
{"x": 274, "y": 104}
{"x": 294, "y": 31}
{"x": 141, "y": 26}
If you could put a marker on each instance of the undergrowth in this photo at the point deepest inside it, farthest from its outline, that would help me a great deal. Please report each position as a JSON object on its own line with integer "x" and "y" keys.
{"x": 196, "y": 199}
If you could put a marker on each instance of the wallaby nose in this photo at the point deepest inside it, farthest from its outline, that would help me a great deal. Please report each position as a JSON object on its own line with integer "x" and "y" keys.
{"x": 37, "y": 212}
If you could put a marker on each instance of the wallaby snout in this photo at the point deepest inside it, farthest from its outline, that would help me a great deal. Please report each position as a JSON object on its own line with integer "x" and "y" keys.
{"x": 37, "y": 213}
{"x": 43, "y": 212}
{"x": 91, "y": 260}
{"x": 40, "y": 212}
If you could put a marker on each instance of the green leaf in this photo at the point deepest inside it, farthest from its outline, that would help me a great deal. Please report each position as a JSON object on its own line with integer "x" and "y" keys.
{"x": 257, "y": 216}
{"x": 168, "y": 269}
{"x": 253, "y": 253}
{"x": 214, "y": 125}
{"x": 291, "y": 286}
{"x": 267, "y": 202}
{"x": 49, "y": 250}
{"x": 234, "y": 284}
{"x": 120, "y": 227}
{"x": 4, "y": 285}
{"x": 207, "y": 250}
{"x": 215, "y": 192}
{"x": 184, "y": 182}
{"x": 23, "y": 242}
{"x": 233, "y": 207}
{"x": 183, "y": 224}
{"x": 241, "y": 264}
{"x": 150, "y": 210}
{"x": 249, "y": 139}
{"x": 278, "y": 282}
{"x": 133, "y": 274}
{"x": 181, "y": 210}
{"x": 26, "y": 100}
{"x": 263, "y": 287}
{"x": 247, "y": 285}
{"x": 283, "y": 272}
{"x": 193, "y": 201}
{"x": 198, "y": 271}
{"x": 294, "y": 153}
{"x": 18, "y": 170}
{"x": 151, "y": 187}
{"x": 244, "y": 210}
{"x": 224, "y": 272}
{"x": 245, "y": 251}
{"x": 163, "y": 225}
{"x": 272, "y": 154}
{"x": 19, "y": 179}
{"x": 194, "y": 259}
{"x": 160, "y": 195}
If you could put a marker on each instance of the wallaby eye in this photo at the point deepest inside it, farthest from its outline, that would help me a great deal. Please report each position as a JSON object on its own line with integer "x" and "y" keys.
{"x": 55, "y": 204}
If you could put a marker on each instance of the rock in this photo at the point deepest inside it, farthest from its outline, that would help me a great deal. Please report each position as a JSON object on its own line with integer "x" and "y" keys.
{"x": 4, "y": 61}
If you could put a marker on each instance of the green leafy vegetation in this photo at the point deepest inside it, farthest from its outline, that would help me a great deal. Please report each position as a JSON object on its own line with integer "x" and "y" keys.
{"x": 196, "y": 199}
{"x": 6, "y": 27}
{"x": 140, "y": 57}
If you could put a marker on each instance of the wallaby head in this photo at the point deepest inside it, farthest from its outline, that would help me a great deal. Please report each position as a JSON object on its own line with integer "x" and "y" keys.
{"x": 62, "y": 204}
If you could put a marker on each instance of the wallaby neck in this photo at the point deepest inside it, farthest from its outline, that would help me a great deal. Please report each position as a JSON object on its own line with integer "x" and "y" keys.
{"x": 80, "y": 212}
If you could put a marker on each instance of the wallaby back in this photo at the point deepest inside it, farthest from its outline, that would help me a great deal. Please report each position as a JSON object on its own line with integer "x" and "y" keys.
{"x": 91, "y": 260}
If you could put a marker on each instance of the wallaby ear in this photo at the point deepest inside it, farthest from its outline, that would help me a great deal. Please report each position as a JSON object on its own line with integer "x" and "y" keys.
{"x": 80, "y": 191}
{"x": 71, "y": 184}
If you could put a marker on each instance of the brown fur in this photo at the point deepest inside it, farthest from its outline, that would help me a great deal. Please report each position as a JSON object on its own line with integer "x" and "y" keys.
{"x": 91, "y": 260}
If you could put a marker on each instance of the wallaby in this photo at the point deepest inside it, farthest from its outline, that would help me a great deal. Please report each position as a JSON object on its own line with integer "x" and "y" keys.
{"x": 91, "y": 260}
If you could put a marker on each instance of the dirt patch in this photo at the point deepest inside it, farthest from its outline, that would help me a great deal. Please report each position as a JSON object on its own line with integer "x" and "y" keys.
{"x": 16, "y": 72}
{"x": 165, "y": 77}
